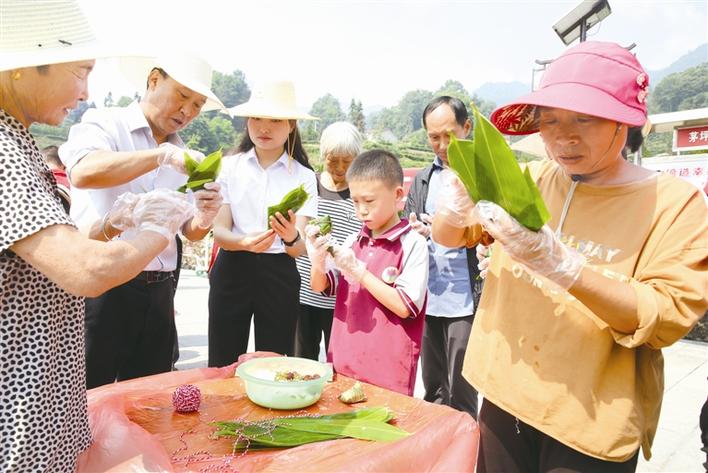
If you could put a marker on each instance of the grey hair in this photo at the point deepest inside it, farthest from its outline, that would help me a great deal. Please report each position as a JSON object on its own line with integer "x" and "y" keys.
{"x": 341, "y": 139}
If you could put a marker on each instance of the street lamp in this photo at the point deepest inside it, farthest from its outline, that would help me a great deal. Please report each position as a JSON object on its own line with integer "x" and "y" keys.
{"x": 576, "y": 24}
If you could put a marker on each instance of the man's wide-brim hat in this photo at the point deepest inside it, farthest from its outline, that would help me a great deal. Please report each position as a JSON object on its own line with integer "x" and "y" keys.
{"x": 188, "y": 69}
{"x": 594, "y": 78}
{"x": 274, "y": 99}
{"x": 43, "y": 32}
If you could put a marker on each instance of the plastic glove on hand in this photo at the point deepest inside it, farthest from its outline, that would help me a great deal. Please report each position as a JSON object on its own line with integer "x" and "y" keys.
{"x": 352, "y": 269}
{"x": 173, "y": 156}
{"x": 453, "y": 204}
{"x": 484, "y": 255}
{"x": 316, "y": 246}
{"x": 542, "y": 252}
{"x": 421, "y": 225}
{"x": 162, "y": 211}
{"x": 120, "y": 216}
{"x": 207, "y": 202}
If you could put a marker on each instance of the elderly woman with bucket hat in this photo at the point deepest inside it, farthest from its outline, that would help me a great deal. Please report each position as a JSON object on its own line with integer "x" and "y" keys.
{"x": 566, "y": 345}
{"x": 254, "y": 274}
{"x": 130, "y": 330}
{"x": 46, "y": 265}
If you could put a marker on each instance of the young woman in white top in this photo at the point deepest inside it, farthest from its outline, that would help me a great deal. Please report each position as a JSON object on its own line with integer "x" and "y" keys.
{"x": 254, "y": 274}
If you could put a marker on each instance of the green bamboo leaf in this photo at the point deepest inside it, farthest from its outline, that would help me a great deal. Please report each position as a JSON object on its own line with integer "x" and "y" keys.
{"x": 210, "y": 162}
{"x": 293, "y": 200}
{"x": 189, "y": 163}
{"x": 360, "y": 429}
{"x": 489, "y": 171}
{"x": 201, "y": 173}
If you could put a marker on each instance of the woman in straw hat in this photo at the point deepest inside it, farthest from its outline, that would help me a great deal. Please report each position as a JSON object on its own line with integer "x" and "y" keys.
{"x": 255, "y": 272}
{"x": 46, "y": 265}
{"x": 566, "y": 344}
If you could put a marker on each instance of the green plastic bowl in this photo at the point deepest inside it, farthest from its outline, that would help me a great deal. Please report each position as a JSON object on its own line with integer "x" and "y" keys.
{"x": 258, "y": 375}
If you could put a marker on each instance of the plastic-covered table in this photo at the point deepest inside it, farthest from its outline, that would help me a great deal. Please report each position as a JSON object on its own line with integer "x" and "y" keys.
{"x": 136, "y": 429}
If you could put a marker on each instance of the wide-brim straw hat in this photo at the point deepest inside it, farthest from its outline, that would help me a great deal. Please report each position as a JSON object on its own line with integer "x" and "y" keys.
{"x": 187, "y": 68}
{"x": 43, "y": 32}
{"x": 275, "y": 99}
{"x": 593, "y": 78}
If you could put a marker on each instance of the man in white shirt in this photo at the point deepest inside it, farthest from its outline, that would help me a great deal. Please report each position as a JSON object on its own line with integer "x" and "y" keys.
{"x": 130, "y": 330}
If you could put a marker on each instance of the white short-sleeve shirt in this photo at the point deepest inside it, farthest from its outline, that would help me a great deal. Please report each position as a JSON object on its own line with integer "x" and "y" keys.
{"x": 250, "y": 190}
{"x": 117, "y": 129}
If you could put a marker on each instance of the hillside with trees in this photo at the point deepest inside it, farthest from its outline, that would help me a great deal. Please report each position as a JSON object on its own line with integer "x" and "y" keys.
{"x": 678, "y": 91}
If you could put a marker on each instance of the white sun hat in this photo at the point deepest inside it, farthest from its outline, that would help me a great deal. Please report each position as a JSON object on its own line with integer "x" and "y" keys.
{"x": 187, "y": 68}
{"x": 41, "y": 32}
{"x": 274, "y": 99}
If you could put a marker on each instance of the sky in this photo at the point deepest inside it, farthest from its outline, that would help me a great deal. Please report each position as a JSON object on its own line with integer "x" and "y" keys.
{"x": 376, "y": 51}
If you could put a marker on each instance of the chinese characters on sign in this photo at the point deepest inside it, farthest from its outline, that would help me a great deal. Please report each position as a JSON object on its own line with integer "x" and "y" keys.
{"x": 691, "y": 138}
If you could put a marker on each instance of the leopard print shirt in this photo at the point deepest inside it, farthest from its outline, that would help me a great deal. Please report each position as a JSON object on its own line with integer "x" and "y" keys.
{"x": 43, "y": 414}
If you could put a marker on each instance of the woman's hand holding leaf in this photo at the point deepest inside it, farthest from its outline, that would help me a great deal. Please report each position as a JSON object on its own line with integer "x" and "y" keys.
{"x": 541, "y": 252}
{"x": 454, "y": 206}
{"x": 284, "y": 226}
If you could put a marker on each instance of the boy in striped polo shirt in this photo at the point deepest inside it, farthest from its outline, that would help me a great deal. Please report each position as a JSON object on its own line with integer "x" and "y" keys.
{"x": 380, "y": 280}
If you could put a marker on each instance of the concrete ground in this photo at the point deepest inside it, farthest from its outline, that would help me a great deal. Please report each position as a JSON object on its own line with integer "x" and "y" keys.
{"x": 677, "y": 443}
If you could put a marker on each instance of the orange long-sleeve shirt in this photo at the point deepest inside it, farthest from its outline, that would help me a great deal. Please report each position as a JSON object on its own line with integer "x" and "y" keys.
{"x": 543, "y": 356}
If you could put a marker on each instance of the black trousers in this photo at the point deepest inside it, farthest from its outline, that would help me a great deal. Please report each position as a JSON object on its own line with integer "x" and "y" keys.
{"x": 442, "y": 355}
{"x": 312, "y": 322}
{"x": 245, "y": 285}
{"x": 130, "y": 332}
{"x": 509, "y": 445}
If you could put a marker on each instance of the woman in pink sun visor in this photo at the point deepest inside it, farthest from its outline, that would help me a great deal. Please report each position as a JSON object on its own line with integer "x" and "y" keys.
{"x": 566, "y": 344}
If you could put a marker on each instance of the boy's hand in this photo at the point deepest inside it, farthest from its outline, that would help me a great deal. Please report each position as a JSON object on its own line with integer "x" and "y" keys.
{"x": 352, "y": 269}
{"x": 316, "y": 246}
{"x": 453, "y": 205}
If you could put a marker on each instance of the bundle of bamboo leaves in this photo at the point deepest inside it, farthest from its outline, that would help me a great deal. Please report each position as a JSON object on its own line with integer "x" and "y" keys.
{"x": 293, "y": 200}
{"x": 488, "y": 169}
{"x": 285, "y": 432}
{"x": 201, "y": 173}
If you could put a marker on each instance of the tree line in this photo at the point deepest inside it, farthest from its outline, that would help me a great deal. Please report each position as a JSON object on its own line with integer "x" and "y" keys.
{"x": 398, "y": 128}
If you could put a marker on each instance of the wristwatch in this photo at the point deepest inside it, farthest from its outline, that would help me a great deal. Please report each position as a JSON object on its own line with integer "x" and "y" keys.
{"x": 295, "y": 240}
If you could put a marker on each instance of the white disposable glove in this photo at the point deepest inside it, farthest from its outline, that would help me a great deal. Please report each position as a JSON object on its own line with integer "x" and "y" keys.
{"x": 421, "y": 226}
{"x": 453, "y": 204}
{"x": 208, "y": 202}
{"x": 484, "y": 255}
{"x": 352, "y": 269}
{"x": 120, "y": 216}
{"x": 162, "y": 211}
{"x": 316, "y": 246}
{"x": 541, "y": 252}
{"x": 173, "y": 156}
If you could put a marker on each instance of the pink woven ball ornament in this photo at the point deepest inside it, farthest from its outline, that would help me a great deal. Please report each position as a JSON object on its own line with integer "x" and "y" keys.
{"x": 187, "y": 398}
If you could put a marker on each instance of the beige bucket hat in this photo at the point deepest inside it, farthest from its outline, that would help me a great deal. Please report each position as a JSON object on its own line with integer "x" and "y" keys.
{"x": 41, "y": 32}
{"x": 187, "y": 68}
{"x": 274, "y": 99}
